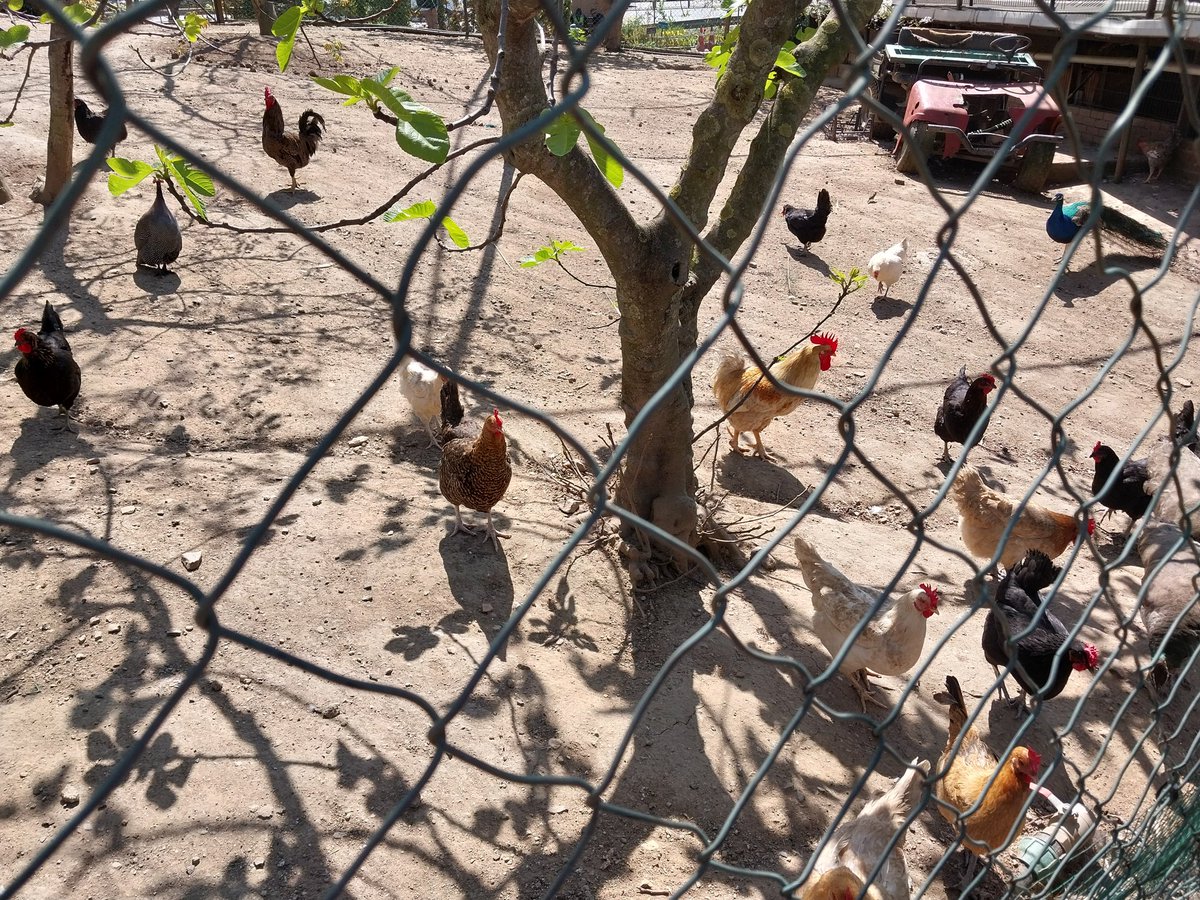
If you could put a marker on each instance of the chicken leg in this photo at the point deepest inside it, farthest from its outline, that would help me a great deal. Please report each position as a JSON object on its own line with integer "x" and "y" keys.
{"x": 459, "y": 525}
{"x": 490, "y": 532}
{"x": 861, "y": 683}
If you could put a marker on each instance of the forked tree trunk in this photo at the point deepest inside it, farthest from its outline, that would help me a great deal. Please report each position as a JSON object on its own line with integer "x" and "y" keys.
{"x": 61, "y": 137}
{"x": 660, "y": 281}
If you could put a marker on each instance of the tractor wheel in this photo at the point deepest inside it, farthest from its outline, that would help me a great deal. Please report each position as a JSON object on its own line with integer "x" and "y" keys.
{"x": 1034, "y": 168}
{"x": 920, "y": 147}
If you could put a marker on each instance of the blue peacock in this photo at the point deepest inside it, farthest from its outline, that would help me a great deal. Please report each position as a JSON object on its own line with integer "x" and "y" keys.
{"x": 1066, "y": 221}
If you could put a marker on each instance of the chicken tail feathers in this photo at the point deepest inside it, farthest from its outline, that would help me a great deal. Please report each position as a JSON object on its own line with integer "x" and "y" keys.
{"x": 1183, "y": 430}
{"x": 953, "y": 697}
{"x": 1035, "y": 572}
{"x": 901, "y": 797}
{"x": 452, "y": 410}
{"x": 50, "y": 320}
{"x": 824, "y": 205}
{"x": 311, "y": 124}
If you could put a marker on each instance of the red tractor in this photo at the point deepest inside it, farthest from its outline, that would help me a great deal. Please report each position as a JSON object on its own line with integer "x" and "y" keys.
{"x": 984, "y": 84}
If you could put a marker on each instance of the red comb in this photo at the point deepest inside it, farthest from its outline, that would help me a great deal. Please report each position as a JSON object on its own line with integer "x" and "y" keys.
{"x": 1096, "y": 449}
{"x": 1035, "y": 760}
{"x": 1091, "y": 527}
{"x": 931, "y": 592}
{"x": 826, "y": 339}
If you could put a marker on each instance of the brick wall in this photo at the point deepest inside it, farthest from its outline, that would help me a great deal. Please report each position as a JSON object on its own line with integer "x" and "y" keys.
{"x": 1093, "y": 125}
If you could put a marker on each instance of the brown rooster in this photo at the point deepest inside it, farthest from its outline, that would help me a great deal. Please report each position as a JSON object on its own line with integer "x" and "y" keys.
{"x": 475, "y": 472}
{"x": 969, "y": 772}
{"x": 1158, "y": 154}
{"x": 291, "y": 149}
{"x": 735, "y": 379}
{"x": 985, "y": 513}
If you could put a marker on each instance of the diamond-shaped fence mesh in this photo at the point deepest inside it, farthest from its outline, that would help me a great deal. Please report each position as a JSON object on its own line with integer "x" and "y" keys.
{"x": 1123, "y": 770}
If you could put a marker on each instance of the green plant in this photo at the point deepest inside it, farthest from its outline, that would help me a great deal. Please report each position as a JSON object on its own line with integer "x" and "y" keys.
{"x": 126, "y": 173}
{"x": 192, "y": 25}
{"x": 425, "y": 210}
{"x": 335, "y": 49}
{"x": 550, "y": 252}
{"x": 288, "y": 25}
{"x": 849, "y": 282}
{"x": 420, "y": 131}
{"x": 11, "y": 37}
{"x": 563, "y": 133}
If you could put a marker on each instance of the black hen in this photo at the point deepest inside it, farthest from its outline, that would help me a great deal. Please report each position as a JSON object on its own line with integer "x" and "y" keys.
{"x": 46, "y": 371}
{"x": 808, "y": 225}
{"x": 88, "y": 124}
{"x": 1183, "y": 430}
{"x": 1035, "y": 667}
{"x": 452, "y": 409}
{"x": 1127, "y": 494}
{"x": 962, "y": 405}
{"x": 157, "y": 236}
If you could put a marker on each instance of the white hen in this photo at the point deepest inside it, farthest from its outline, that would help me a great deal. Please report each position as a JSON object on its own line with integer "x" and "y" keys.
{"x": 860, "y": 843}
{"x": 892, "y": 641}
{"x": 422, "y": 387}
{"x": 886, "y": 265}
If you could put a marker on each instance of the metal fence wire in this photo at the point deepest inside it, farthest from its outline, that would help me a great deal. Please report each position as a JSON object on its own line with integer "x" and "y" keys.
{"x": 1147, "y": 849}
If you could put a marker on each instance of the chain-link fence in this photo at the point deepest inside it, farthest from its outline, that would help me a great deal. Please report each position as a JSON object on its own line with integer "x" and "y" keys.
{"x": 1137, "y": 823}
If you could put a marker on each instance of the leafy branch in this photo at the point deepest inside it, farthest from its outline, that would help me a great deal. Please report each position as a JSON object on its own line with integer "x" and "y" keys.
{"x": 563, "y": 134}
{"x": 289, "y": 24}
{"x": 425, "y": 210}
{"x": 420, "y": 132}
{"x": 553, "y": 252}
{"x": 126, "y": 173}
{"x": 341, "y": 223}
{"x": 718, "y": 55}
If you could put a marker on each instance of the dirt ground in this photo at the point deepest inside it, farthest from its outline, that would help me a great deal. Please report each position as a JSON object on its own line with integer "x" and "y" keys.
{"x": 204, "y": 390}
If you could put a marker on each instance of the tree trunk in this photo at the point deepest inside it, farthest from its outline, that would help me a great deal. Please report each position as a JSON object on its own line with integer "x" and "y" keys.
{"x": 264, "y": 11}
{"x": 61, "y": 137}
{"x": 659, "y": 297}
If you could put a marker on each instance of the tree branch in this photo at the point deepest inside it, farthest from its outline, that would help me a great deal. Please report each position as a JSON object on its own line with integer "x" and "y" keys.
{"x": 817, "y": 56}
{"x": 521, "y": 97}
{"x": 499, "y": 230}
{"x": 20, "y": 90}
{"x": 343, "y": 223}
{"x": 766, "y": 25}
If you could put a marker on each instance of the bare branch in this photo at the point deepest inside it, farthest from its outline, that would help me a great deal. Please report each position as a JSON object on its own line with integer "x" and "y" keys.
{"x": 343, "y": 223}
{"x": 499, "y": 230}
{"x": 21, "y": 89}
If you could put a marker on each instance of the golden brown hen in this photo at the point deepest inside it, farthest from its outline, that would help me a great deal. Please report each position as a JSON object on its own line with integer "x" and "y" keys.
{"x": 1001, "y": 811}
{"x": 985, "y": 513}
{"x": 735, "y": 379}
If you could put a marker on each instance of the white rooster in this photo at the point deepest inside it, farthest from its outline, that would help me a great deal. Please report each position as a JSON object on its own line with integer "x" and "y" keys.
{"x": 422, "y": 386}
{"x": 886, "y": 265}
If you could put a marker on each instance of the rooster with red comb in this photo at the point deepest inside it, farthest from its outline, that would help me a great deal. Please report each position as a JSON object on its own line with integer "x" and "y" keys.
{"x": 291, "y": 149}
{"x": 751, "y": 401}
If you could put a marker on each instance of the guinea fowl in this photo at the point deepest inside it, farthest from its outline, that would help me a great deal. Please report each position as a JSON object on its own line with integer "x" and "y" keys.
{"x": 88, "y": 124}
{"x": 808, "y": 225}
{"x": 1037, "y": 667}
{"x": 1126, "y": 494}
{"x": 46, "y": 371}
{"x": 963, "y": 405}
{"x": 291, "y": 149}
{"x": 157, "y": 236}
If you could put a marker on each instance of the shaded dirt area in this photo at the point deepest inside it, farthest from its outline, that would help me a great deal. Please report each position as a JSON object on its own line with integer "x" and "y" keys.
{"x": 203, "y": 391}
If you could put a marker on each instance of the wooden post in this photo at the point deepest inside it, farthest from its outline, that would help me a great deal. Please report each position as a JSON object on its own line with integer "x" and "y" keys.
{"x": 1139, "y": 69}
{"x": 61, "y": 137}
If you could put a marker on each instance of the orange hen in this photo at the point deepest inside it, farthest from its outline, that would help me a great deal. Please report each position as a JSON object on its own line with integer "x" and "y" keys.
{"x": 1001, "y": 812}
{"x": 985, "y": 514}
{"x": 763, "y": 401}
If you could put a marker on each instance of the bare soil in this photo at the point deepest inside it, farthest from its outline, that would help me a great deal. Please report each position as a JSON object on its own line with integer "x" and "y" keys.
{"x": 204, "y": 391}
